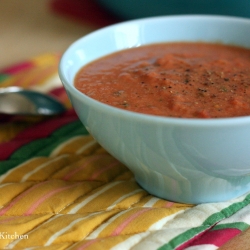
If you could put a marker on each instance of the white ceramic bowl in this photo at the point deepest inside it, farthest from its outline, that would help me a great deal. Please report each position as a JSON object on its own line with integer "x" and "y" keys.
{"x": 183, "y": 160}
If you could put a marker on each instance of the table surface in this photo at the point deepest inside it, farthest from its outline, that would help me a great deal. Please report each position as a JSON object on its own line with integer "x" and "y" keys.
{"x": 31, "y": 28}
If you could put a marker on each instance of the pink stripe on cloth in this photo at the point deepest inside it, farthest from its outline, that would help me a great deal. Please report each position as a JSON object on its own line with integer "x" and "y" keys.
{"x": 38, "y": 131}
{"x": 18, "y": 68}
{"x": 96, "y": 174}
{"x": 57, "y": 91}
{"x": 45, "y": 128}
{"x": 18, "y": 198}
{"x": 213, "y": 237}
{"x": 93, "y": 158}
{"x": 122, "y": 226}
{"x": 7, "y": 220}
{"x": 8, "y": 148}
{"x": 46, "y": 196}
{"x": 169, "y": 204}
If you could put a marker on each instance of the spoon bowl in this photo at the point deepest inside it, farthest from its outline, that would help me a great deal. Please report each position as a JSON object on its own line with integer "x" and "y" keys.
{"x": 19, "y": 101}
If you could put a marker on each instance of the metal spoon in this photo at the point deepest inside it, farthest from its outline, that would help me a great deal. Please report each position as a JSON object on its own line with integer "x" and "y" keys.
{"x": 18, "y": 101}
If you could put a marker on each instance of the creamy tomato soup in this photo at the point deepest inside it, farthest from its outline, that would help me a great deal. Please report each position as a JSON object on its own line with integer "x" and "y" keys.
{"x": 191, "y": 80}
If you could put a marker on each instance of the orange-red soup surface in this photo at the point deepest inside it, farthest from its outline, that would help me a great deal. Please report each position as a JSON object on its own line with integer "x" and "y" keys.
{"x": 190, "y": 80}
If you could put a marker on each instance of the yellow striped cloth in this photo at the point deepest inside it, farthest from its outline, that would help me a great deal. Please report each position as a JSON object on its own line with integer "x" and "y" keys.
{"x": 59, "y": 189}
